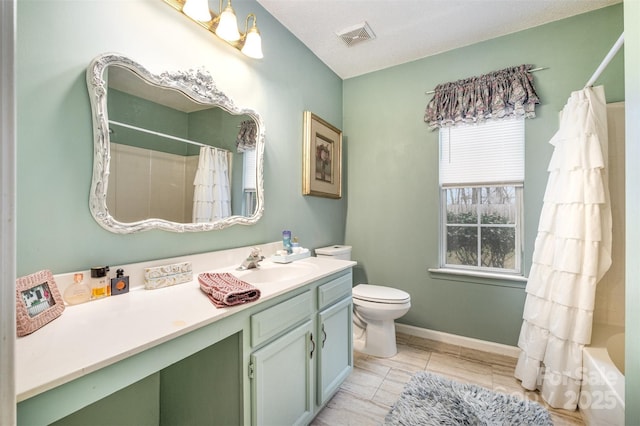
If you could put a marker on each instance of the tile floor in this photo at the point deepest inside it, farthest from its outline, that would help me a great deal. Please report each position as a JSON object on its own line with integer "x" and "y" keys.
{"x": 376, "y": 383}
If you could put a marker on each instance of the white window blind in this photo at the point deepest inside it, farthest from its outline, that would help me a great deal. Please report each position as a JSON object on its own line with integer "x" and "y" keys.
{"x": 249, "y": 170}
{"x": 489, "y": 152}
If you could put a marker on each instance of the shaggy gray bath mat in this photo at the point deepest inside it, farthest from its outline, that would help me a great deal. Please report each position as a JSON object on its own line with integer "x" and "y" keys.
{"x": 429, "y": 399}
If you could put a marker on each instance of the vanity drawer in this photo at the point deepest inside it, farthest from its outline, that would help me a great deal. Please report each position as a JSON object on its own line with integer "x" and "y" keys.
{"x": 334, "y": 290}
{"x": 273, "y": 321}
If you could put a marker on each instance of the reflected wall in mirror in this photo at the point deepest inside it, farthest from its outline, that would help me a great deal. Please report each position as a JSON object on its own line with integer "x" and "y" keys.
{"x": 171, "y": 151}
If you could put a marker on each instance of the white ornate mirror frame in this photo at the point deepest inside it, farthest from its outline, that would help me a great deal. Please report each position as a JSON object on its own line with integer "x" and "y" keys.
{"x": 196, "y": 85}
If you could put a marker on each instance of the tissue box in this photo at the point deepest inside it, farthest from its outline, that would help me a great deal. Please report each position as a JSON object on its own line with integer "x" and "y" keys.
{"x": 167, "y": 275}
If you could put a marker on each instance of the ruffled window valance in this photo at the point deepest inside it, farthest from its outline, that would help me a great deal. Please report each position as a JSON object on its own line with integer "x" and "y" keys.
{"x": 500, "y": 94}
{"x": 246, "y": 139}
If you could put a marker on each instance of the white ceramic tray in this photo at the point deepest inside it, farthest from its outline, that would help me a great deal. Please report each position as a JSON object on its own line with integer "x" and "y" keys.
{"x": 290, "y": 257}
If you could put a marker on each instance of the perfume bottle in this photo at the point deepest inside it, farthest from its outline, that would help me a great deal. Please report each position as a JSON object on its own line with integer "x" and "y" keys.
{"x": 100, "y": 286}
{"x": 119, "y": 284}
{"x": 77, "y": 292}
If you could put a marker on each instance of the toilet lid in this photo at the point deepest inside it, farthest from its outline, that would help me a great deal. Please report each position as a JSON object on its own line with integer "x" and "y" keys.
{"x": 380, "y": 294}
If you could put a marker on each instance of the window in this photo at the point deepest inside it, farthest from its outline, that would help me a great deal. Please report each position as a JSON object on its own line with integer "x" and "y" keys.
{"x": 481, "y": 182}
{"x": 249, "y": 184}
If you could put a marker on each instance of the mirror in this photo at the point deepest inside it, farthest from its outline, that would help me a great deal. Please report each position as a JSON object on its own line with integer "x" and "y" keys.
{"x": 171, "y": 151}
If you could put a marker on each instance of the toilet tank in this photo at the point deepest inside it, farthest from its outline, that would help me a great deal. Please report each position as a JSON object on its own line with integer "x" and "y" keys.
{"x": 336, "y": 251}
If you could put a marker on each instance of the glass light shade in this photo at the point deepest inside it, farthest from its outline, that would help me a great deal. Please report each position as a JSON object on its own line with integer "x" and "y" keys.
{"x": 228, "y": 25}
{"x": 253, "y": 44}
{"x": 197, "y": 10}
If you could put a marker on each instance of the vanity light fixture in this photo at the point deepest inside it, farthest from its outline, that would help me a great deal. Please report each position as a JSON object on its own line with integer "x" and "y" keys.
{"x": 252, "y": 46}
{"x": 224, "y": 25}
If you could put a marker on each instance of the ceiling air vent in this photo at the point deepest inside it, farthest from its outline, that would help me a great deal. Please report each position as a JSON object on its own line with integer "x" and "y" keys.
{"x": 357, "y": 34}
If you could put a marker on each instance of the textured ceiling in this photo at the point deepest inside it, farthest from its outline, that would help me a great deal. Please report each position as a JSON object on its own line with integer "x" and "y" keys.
{"x": 406, "y": 30}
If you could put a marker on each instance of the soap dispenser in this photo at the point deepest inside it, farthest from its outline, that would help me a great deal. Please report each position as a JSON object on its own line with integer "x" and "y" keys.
{"x": 78, "y": 292}
{"x": 286, "y": 241}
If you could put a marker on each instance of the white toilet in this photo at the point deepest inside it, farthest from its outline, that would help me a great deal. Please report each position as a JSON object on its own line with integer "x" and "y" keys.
{"x": 375, "y": 308}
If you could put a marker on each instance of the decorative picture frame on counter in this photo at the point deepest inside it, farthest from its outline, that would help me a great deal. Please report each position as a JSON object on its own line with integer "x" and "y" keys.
{"x": 38, "y": 302}
{"x": 322, "y": 158}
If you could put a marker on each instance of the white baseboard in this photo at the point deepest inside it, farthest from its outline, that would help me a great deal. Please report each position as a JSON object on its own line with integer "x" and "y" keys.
{"x": 454, "y": 339}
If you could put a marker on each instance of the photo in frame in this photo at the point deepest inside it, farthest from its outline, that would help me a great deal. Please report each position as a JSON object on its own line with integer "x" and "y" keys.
{"x": 38, "y": 302}
{"x": 322, "y": 158}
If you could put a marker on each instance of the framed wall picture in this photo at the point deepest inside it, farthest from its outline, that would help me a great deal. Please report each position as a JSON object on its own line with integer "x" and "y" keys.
{"x": 38, "y": 302}
{"x": 322, "y": 158}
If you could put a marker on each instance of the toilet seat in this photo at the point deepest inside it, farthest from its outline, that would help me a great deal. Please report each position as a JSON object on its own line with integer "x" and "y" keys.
{"x": 380, "y": 294}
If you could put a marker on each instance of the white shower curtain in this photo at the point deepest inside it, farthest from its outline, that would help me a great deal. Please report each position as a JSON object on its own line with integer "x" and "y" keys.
{"x": 572, "y": 252}
{"x": 212, "y": 195}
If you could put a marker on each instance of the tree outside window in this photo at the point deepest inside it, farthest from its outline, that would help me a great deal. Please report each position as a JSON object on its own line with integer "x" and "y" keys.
{"x": 481, "y": 227}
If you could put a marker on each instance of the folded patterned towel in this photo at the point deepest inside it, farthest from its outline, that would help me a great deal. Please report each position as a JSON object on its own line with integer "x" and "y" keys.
{"x": 224, "y": 289}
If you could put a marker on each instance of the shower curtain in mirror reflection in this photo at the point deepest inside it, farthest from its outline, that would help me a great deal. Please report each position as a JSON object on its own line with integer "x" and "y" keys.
{"x": 212, "y": 194}
{"x": 572, "y": 252}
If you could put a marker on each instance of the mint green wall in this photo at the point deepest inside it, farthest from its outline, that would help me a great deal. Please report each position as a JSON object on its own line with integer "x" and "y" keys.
{"x": 211, "y": 126}
{"x": 136, "y": 405}
{"x": 204, "y": 388}
{"x": 392, "y": 220}
{"x": 632, "y": 295}
{"x": 57, "y": 40}
{"x": 135, "y": 111}
{"x": 226, "y": 128}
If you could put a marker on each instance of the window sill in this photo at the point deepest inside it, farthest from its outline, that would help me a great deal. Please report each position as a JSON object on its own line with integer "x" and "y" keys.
{"x": 486, "y": 278}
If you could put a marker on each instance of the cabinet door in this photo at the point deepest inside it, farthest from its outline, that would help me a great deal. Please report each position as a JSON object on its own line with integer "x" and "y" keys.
{"x": 335, "y": 356}
{"x": 282, "y": 387}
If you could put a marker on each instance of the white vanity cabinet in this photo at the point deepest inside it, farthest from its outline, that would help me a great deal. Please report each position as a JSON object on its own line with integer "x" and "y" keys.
{"x": 294, "y": 374}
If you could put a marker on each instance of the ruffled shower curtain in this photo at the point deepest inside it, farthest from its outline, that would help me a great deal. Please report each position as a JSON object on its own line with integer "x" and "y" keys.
{"x": 212, "y": 194}
{"x": 572, "y": 252}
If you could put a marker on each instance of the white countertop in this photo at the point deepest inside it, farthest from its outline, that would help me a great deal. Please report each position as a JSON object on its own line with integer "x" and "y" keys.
{"x": 93, "y": 335}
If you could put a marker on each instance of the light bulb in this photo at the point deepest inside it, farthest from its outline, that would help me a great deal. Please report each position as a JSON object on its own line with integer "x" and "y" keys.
{"x": 197, "y": 10}
{"x": 253, "y": 44}
{"x": 228, "y": 25}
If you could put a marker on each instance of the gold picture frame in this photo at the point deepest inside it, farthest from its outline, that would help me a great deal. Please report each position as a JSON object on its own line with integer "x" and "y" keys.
{"x": 322, "y": 158}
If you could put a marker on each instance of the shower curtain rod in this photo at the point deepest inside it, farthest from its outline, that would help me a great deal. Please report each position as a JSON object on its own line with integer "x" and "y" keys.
{"x": 606, "y": 61}
{"x": 531, "y": 70}
{"x": 164, "y": 135}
